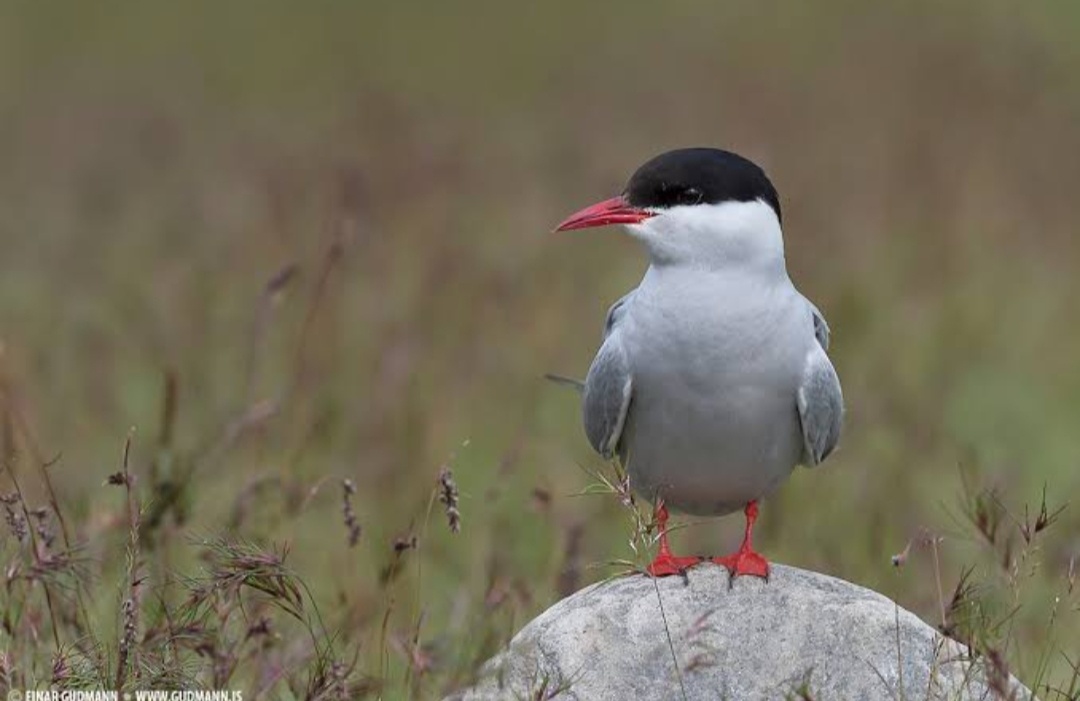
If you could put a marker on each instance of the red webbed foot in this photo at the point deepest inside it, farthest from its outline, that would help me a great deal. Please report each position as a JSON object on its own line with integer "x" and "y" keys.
{"x": 666, "y": 565}
{"x": 745, "y": 560}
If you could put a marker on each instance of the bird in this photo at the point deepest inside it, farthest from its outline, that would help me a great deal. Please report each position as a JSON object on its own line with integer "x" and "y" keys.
{"x": 712, "y": 381}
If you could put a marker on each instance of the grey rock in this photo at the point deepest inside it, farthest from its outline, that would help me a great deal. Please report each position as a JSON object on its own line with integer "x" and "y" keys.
{"x": 799, "y": 632}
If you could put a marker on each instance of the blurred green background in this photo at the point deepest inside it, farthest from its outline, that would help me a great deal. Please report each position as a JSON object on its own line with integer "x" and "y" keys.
{"x": 160, "y": 163}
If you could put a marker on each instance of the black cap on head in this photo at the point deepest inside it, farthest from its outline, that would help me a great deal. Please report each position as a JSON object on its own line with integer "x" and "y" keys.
{"x": 699, "y": 176}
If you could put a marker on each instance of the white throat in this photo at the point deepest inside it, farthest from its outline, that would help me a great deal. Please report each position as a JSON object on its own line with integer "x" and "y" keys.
{"x": 739, "y": 235}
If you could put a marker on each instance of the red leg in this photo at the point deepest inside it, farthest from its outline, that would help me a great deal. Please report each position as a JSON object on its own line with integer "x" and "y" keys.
{"x": 745, "y": 560}
{"x": 665, "y": 563}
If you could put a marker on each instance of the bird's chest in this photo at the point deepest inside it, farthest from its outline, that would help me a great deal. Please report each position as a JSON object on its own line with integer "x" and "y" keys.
{"x": 708, "y": 348}
{"x": 713, "y": 421}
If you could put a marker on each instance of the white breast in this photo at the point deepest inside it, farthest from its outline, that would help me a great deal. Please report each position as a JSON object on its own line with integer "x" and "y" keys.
{"x": 716, "y": 360}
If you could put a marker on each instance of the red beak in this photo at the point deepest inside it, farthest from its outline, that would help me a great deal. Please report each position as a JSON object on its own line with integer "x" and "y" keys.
{"x": 614, "y": 211}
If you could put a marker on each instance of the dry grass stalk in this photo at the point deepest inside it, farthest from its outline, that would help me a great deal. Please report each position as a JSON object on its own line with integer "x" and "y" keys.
{"x": 352, "y": 525}
{"x": 129, "y": 609}
{"x": 448, "y": 497}
{"x": 15, "y": 520}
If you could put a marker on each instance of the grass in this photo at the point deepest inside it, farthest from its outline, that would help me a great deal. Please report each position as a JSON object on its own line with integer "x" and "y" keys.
{"x": 298, "y": 251}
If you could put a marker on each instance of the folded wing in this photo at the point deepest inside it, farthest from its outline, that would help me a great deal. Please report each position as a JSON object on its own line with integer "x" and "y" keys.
{"x": 608, "y": 387}
{"x": 821, "y": 407}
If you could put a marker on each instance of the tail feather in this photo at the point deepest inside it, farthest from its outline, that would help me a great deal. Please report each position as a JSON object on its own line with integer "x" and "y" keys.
{"x": 565, "y": 381}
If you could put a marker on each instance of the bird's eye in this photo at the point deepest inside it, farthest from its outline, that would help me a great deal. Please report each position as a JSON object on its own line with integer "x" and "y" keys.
{"x": 690, "y": 195}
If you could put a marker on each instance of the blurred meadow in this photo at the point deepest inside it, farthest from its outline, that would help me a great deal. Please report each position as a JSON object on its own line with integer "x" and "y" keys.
{"x": 289, "y": 247}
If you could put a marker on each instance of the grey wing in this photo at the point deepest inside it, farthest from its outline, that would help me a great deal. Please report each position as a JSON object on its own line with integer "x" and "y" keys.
{"x": 821, "y": 407}
{"x": 606, "y": 400}
{"x": 616, "y": 312}
{"x": 821, "y": 327}
{"x": 614, "y": 316}
{"x": 608, "y": 386}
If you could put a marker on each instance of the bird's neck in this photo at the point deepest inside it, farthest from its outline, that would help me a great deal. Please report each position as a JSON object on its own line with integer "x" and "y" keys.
{"x": 766, "y": 268}
{"x": 761, "y": 277}
{"x": 732, "y": 237}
